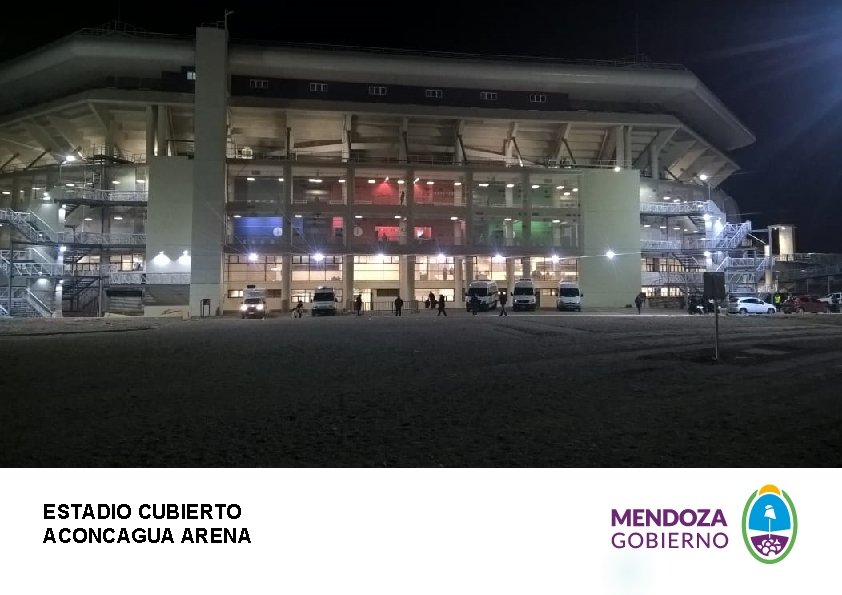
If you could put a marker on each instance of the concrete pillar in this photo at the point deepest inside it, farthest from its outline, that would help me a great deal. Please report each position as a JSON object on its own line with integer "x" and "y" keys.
{"x": 627, "y": 146}
{"x": 510, "y": 200}
{"x": 458, "y": 239}
{"x": 786, "y": 240}
{"x": 620, "y": 140}
{"x": 151, "y": 123}
{"x": 610, "y": 221}
{"x": 509, "y": 233}
{"x": 469, "y": 269}
{"x": 348, "y": 279}
{"x": 407, "y": 277}
{"x": 286, "y": 210}
{"x": 510, "y": 275}
{"x": 210, "y": 134}
{"x": 526, "y": 234}
{"x": 656, "y": 169}
{"x": 286, "y": 281}
{"x": 408, "y": 222}
{"x": 57, "y": 299}
{"x": 458, "y": 278}
{"x": 469, "y": 211}
{"x": 17, "y": 198}
{"x": 556, "y": 235}
{"x": 526, "y": 266}
{"x": 163, "y": 136}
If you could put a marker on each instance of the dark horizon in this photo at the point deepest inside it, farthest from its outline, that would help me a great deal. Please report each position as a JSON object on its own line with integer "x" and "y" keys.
{"x": 772, "y": 67}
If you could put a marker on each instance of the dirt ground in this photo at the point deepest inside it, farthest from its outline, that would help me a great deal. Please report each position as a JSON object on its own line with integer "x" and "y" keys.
{"x": 545, "y": 389}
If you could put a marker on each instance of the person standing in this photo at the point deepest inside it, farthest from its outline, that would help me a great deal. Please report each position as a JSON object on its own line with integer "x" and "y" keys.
{"x": 638, "y": 302}
{"x": 398, "y": 305}
{"x": 441, "y": 307}
{"x": 503, "y": 299}
{"x": 358, "y": 304}
{"x": 474, "y": 304}
{"x": 432, "y": 297}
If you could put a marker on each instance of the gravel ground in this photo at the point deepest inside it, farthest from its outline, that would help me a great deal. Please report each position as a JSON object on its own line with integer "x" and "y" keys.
{"x": 546, "y": 389}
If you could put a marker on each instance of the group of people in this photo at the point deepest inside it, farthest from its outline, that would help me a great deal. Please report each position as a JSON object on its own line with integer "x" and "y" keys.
{"x": 431, "y": 302}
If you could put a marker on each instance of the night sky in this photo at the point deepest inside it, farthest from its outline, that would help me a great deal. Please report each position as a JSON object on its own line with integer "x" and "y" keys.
{"x": 775, "y": 64}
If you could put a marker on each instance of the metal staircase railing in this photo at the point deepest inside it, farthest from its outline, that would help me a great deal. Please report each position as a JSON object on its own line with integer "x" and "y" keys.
{"x": 36, "y": 303}
{"x": 24, "y": 303}
{"x": 28, "y": 269}
{"x": 37, "y": 230}
{"x": 731, "y": 236}
{"x": 75, "y": 196}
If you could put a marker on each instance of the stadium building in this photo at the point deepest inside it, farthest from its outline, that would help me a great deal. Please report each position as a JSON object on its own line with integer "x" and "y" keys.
{"x": 154, "y": 174}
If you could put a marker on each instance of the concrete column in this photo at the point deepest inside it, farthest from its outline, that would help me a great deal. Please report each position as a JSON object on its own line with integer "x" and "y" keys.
{"x": 210, "y": 134}
{"x": 469, "y": 270}
{"x": 620, "y": 141}
{"x": 151, "y": 123}
{"x": 163, "y": 136}
{"x": 286, "y": 210}
{"x": 526, "y": 266}
{"x": 510, "y": 196}
{"x": 57, "y": 299}
{"x": 458, "y": 278}
{"x": 610, "y": 221}
{"x": 348, "y": 279}
{"x": 656, "y": 169}
{"x": 509, "y": 233}
{"x": 469, "y": 210}
{"x": 17, "y": 198}
{"x": 786, "y": 240}
{"x": 627, "y": 146}
{"x": 407, "y": 277}
{"x": 286, "y": 281}
{"x": 510, "y": 275}
{"x": 408, "y": 222}
{"x": 556, "y": 235}
{"x": 526, "y": 234}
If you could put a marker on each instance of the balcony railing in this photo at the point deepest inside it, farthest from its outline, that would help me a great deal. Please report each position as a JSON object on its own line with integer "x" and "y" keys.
{"x": 90, "y": 195}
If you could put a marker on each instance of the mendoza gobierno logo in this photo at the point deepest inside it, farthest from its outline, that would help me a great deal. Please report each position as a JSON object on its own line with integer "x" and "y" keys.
{"x": 669, "y": 528}
{"x": 769, "y": 524}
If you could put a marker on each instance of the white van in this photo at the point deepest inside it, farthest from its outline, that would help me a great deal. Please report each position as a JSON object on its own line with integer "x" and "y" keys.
{"x": 324, "y": 302}
{"x": 523, "y": 295}
{"x": 486, "y": 292}
{"x": 569, "y": 297}
{"x": 254, "y": 303}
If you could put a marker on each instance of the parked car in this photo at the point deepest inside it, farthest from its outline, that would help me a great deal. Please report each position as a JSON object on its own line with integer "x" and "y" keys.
{"x": 750, "y": 305}
{"x": 829, "y": 298}
{"x": 805, "y": 303}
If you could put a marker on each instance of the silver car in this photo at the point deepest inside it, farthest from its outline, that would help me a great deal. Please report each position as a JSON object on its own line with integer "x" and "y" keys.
{"x": 750, "y": 305}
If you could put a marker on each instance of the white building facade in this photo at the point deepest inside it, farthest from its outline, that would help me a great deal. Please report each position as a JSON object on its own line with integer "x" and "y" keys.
{"x": 153, "y": 174}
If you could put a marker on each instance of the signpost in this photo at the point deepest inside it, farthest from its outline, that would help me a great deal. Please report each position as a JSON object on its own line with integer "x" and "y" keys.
{"x": 715, "y": 290}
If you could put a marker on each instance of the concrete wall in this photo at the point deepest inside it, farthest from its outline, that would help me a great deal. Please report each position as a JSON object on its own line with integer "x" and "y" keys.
{"x": 610, "y": 214}
{"x": 170, "y": 212}
{"x": 210, "y": 133}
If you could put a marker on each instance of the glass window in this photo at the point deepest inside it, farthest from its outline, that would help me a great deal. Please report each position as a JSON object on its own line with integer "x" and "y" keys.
{"x": 434, "y": 268}
{"x": 376, "y": 268}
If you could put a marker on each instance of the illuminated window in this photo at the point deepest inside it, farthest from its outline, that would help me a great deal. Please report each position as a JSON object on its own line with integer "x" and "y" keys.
{"x": 191, "y": 75}
{"x": 258, "y": 84}
{"x": 433, "y": 93}
{"x": 488, "y": 95}
{"x": 538, "y": 98}
{"x": 318, "y": 87}
{"x": 381, "y": 91}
